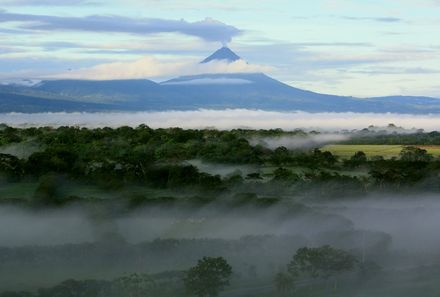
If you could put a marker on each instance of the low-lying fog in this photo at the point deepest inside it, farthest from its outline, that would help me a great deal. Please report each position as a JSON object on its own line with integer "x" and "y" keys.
{"x": 223, "y": 169}
{"x": 399, "y": 233}
{"x": 225, "y": 119}
{"x": 298, "y": 142}
{"x": 412, "y": 223}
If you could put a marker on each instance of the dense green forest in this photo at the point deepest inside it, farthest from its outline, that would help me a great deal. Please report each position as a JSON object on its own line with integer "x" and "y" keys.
{"x": 58, "y": 162}
{"x": 163, "y": 212}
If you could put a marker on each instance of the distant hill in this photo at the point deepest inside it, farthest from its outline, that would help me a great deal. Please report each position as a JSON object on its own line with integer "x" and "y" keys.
{"x": 29, "y": 104}
{"x": 215, "y": 91}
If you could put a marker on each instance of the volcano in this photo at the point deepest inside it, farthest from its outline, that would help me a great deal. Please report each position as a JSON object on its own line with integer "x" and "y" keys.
{"x": 222, "y": 54}
{"x": 201, "y": 91}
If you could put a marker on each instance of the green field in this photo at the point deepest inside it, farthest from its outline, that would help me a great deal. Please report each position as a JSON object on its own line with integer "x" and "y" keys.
{"x": 387, "y": 151}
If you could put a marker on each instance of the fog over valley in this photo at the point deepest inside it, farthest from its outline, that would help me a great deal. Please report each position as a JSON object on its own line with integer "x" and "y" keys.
{"x": 219, "y": 148}
{"x": 224, "y": 119}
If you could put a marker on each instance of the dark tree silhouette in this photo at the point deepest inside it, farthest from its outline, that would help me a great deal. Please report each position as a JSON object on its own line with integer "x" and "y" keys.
{"x": 209, "y": 277}
{"x": 321, "y": 262}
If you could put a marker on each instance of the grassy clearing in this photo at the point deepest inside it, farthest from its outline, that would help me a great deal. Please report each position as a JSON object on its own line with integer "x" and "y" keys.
{"x": 387, "y": 151}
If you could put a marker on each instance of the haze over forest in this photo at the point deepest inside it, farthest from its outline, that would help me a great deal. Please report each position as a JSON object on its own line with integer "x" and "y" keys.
{"x": 161, "y": 148}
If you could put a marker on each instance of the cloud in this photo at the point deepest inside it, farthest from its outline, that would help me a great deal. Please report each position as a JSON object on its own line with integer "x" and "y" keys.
{"x": 375, "y": 19}
{"x": 352, "y": 18}
{"x": 8, "y": 50}
{"x": 44, "y": 2}
{"x": 211, "y": 81}
{"x": 396, "y": 54}
{"x": 331, "y": 44}
{"x": 61, "y": 45}
{"x": 157, "y": 45}
{"x": 207, "y": 29}
{"x": 398, "y": 71}
{"x": 150, "y": 67}
{"x": 202, "y": 5}
{"x": 226, "y": 119}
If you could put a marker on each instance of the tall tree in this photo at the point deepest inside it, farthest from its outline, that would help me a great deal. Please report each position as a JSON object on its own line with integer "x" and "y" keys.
{"x": 321, "y": 262}
{"x": 209, "y": 277}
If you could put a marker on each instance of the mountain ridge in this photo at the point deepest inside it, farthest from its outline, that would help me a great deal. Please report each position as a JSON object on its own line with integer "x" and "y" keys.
{"x": 208, "y": 91}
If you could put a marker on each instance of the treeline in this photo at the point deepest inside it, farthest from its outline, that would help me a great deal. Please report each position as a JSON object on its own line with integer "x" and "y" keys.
{"x": 405, "y": 138}
{"x": 111, "y": 254}
{"x": 137, "y": 284}
{"x": 117, "y": 159}
{"x": 309, "y": 266}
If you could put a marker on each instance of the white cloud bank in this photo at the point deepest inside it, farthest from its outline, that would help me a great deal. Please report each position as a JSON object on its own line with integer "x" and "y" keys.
{"x": 211, "y": 81}
{"x": 224, "y": 119}
{"x": 150, "y": 67}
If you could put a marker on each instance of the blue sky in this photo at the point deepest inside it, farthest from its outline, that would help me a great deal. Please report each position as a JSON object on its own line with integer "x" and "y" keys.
{"x": 346, "y": 47}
